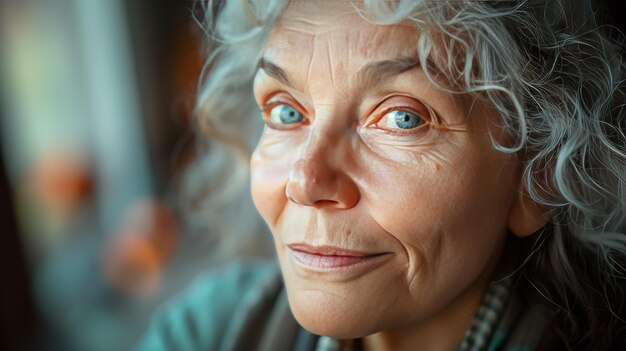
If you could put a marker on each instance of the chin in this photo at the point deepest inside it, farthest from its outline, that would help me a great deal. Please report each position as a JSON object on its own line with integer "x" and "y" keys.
{"x": 328, "y": 327}
{"x": 326, "y": 315}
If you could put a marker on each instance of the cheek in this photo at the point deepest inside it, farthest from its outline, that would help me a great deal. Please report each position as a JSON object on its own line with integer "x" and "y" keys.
{"x": 269, "y": 166}
{"x": 418, "y": 203}
{"x": 441, "y": 215}
{"x": 405, "y": 196}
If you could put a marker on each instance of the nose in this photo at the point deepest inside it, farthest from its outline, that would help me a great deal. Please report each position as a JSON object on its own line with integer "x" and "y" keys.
{"x": 313, "y": 182}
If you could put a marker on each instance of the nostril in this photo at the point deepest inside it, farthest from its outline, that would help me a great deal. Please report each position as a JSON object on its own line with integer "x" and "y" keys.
{"x": 326, "y": 203}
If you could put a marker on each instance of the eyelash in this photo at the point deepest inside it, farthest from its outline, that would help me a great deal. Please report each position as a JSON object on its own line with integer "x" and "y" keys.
{"x": 426, "y": 120}
{"x": 267, "y": 110}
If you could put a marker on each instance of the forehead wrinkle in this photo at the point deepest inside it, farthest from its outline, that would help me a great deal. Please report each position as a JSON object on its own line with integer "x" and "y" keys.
{"x": 314, "y": 53}
{"x": 310, "y": 18}
{"x": 331, "y": 65}
{"x": 305, "y": 26}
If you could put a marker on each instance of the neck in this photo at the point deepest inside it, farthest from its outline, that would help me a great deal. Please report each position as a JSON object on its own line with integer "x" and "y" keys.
{"x": 443, "y": 331}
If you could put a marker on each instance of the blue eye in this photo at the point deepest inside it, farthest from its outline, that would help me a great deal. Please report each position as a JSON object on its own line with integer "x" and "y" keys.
{"x": 285, "y": 114}
{"x": 400, "y": 120}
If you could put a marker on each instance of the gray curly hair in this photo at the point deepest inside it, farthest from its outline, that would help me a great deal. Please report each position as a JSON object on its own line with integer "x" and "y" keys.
{"x": 549, "y": 68}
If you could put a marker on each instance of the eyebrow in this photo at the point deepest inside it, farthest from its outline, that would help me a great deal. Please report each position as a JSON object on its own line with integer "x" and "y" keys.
{"x": 274, "y": 71}
{"x": 379, "y": 71}
{"x": 370, "y": 74}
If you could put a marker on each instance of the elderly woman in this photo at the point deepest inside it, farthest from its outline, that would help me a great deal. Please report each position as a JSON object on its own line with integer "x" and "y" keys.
{"x": 436, "y": 175}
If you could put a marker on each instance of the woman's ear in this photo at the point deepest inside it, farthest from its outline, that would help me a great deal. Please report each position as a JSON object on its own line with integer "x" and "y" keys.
{"x": 526, "y": 216}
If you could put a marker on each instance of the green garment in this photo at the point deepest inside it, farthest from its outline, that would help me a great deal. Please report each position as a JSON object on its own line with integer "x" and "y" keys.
{"x": 239, "y": 307}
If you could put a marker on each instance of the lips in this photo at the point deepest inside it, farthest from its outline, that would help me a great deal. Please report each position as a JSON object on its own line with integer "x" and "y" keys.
{"x": 330, "y": 257}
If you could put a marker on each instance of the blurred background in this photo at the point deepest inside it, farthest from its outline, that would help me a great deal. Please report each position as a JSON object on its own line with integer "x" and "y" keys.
{"x": 95, "y": 104}
{"x": 95, "y": 129}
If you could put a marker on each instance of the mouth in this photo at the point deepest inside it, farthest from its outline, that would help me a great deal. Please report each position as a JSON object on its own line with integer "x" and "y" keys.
{"x": 330, "y": 259}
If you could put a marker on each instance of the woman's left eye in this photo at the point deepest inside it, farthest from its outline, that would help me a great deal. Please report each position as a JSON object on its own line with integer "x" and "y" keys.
{"x": 398, "y": 119}
{"x": 285, "y": 114}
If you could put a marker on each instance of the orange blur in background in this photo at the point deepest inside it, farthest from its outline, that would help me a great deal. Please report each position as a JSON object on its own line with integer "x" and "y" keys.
{"x": 96, "y": 107}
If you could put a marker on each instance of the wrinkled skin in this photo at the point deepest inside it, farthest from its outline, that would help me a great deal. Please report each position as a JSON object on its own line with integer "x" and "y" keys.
{"x": 437, "y": 199}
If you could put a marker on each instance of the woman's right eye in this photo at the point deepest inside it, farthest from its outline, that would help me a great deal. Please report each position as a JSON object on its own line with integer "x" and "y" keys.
{"x": 284, "y": 115}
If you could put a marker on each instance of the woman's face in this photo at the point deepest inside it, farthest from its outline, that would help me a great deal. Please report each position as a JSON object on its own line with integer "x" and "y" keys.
{"x": 386, "y": 199}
